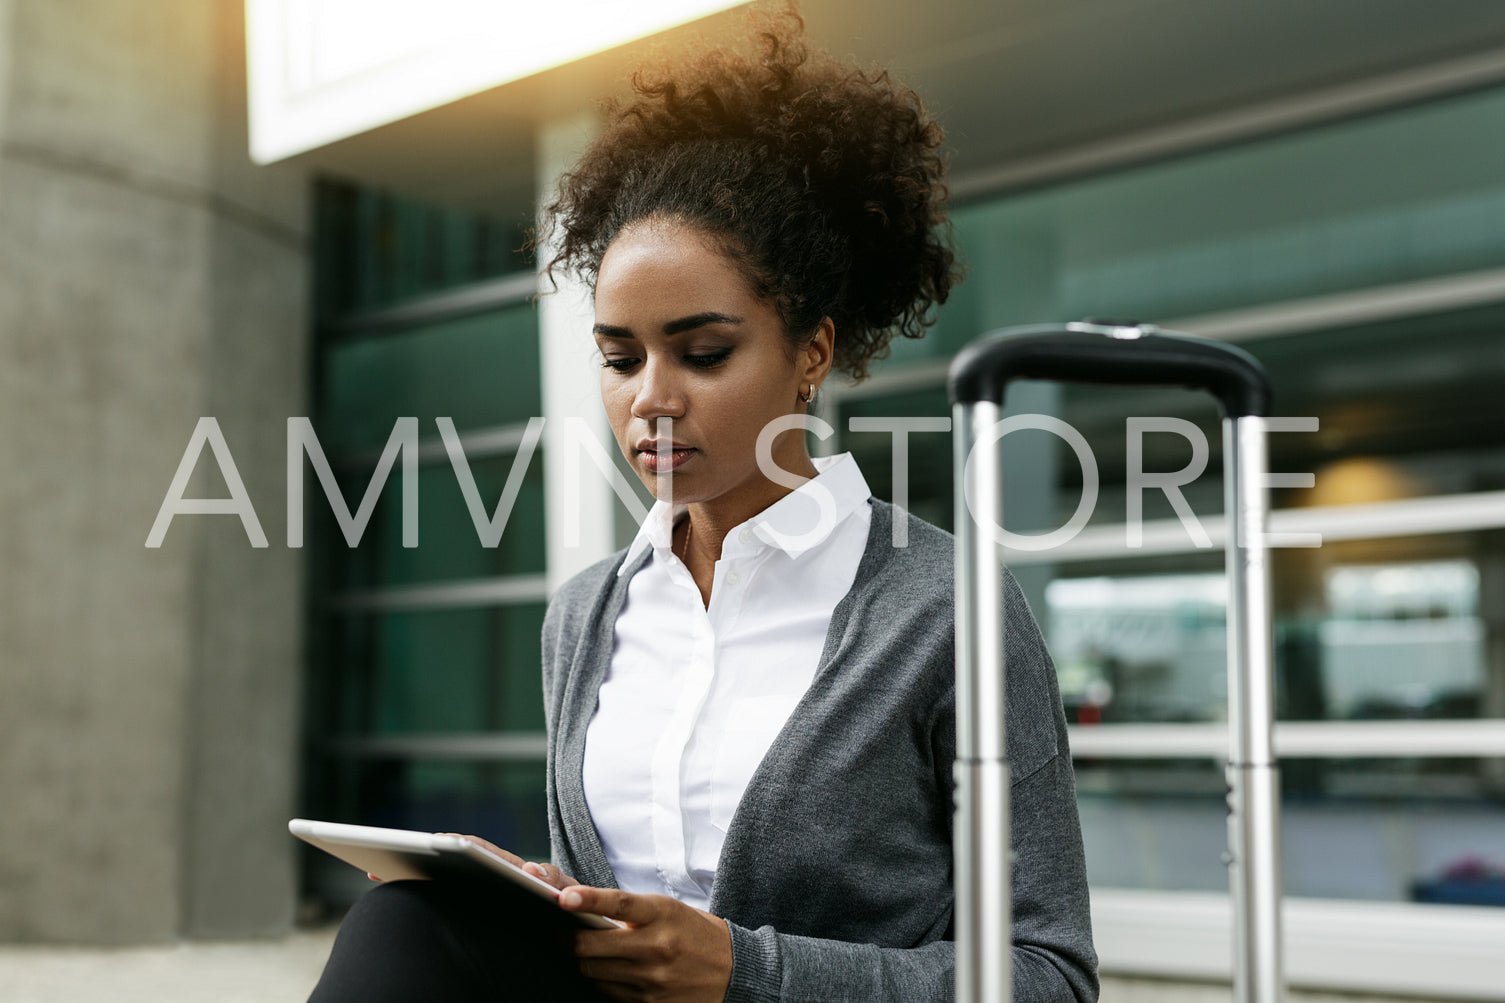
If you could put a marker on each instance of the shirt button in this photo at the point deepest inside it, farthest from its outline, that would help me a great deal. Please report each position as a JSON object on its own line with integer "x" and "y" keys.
{"x": 733, "y": 578}
{"x": 746, "y": 536}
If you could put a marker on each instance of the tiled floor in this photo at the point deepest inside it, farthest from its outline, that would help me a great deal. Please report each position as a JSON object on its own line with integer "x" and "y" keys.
{"x": 268, "y": 971}
{"x": 273, "y": 971}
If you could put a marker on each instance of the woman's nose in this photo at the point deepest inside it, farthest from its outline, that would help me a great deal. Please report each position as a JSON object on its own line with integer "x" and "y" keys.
{"x": 659, "y": 394}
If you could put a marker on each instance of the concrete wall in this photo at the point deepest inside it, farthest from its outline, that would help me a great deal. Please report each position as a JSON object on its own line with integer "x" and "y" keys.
{"x": 148, "y": 275}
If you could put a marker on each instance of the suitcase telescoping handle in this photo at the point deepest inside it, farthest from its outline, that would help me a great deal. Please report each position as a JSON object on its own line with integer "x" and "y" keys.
{"x": 1103, "y": 352}
{"x": 1126, "y": 354}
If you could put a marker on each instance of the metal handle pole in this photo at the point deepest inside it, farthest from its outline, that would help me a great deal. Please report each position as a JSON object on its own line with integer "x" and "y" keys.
{"x": 1133, "y": 355}
{"x": 1252, "y": 772}
{"x": 981, "y": 847}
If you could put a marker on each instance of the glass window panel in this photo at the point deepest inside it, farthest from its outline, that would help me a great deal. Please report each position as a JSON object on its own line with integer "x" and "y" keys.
{"x": 1419, "y": 830}
{"x": 374, "y": 249}
{"x": 1406, "y": 195}
{"x": 432, "y": 671}
{"x": 1407, "y": 409}
{"x": 448, "y": 670}
{"x": 481, "y": 371}
{"x": 448, "y": 545}
{"x": 500, "y": 801}
{"x": 1099, "y": 413}
{"x": 1365, "y": 630}
{"x": 1386, "y": 620}
{"x": 1140, "y": 649}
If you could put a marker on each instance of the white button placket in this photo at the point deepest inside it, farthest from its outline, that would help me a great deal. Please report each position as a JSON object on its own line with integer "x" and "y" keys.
{"x": 728, "y": 587}
{"x": 668, "y": 756}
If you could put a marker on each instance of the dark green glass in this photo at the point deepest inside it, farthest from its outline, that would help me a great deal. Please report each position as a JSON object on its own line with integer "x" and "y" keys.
{"x": 434, "y": 671}
{"x": 480, "y": 371}
{"x": 449, "y": 545}
{"x": 1407, "y": 195}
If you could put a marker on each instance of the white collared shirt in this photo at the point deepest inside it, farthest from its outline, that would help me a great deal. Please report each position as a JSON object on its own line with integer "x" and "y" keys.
{"x": 695, "y": 695}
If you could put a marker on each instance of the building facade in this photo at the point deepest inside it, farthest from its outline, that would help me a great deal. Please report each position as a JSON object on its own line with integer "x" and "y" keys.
{"x": 1339, "y": 214}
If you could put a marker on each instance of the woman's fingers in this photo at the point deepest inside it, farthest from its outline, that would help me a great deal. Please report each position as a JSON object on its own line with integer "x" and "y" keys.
{"x": 549, "y": 873}
{"x": 667, "y": 951}
{"x": 616, "y": 970}
{"x": 612, "y": 903}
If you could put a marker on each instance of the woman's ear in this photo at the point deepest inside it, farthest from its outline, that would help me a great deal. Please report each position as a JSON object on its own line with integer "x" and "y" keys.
{"x": 817, "y": 355}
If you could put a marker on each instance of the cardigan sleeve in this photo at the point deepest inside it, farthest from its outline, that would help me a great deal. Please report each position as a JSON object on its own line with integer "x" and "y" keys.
{"x": 1053, "y": 961}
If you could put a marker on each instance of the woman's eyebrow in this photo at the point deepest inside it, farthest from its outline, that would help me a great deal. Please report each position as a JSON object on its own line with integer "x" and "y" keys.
{"x": 695, "y": 320}
{"x": 674, "y": 327}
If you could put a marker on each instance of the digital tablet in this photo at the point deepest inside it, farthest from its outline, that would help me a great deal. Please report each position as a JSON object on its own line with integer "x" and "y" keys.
{"x": 404, "y": 855}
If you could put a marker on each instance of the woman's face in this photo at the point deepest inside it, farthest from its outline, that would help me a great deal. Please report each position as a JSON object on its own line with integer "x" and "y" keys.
{"x": 683, "y": 336}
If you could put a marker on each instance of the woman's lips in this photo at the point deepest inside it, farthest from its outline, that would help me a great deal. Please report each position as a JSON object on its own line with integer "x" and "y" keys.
{"x": 663, "y": 462}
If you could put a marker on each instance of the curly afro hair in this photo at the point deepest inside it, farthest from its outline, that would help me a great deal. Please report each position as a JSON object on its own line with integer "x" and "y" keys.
{"x": 821, "y": 181}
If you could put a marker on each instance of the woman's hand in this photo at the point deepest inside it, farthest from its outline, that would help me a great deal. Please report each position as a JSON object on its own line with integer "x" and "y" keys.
{"x": 669, "y": 952}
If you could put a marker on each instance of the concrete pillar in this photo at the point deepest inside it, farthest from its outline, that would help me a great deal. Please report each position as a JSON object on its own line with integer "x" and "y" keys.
{"x": 148, "y": 276}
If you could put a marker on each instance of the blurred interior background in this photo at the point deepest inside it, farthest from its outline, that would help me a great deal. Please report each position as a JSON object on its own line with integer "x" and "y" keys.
{"x": 277, "y": 208}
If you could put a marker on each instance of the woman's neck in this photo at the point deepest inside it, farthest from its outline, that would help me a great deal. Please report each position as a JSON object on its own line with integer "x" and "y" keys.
{"x": 700, "y": 539}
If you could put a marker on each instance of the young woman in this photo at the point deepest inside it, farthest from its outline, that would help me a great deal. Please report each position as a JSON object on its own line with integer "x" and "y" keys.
{"x": 750, "y": 710}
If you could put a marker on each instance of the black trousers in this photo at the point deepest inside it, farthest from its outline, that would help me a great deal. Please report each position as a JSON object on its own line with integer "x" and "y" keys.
{"x": 440, "y": 941}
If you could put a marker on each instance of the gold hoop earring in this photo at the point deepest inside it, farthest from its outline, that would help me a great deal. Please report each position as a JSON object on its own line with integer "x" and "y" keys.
{"x": 806, "y": 398}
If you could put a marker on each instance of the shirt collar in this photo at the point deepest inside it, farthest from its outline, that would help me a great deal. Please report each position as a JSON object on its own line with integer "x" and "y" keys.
{"x": 796, "y": 523}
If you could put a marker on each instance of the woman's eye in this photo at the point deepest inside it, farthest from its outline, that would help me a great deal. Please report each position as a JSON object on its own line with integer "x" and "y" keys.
{"x": 619, "y": 365}
{"x": 708, "y": 360}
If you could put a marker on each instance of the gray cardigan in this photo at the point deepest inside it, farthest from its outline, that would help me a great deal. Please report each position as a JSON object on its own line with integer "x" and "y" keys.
{"x": 835, "y": 877}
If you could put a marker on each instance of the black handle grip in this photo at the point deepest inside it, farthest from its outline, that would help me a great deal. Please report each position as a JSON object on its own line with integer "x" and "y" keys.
{"x": 1127, "y": 354}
